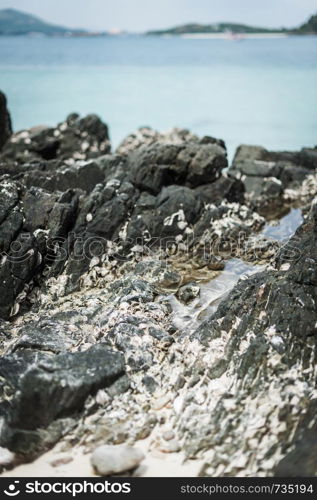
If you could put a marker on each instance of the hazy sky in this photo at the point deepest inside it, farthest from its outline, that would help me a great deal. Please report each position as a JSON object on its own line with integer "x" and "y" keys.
{"x": 141, "y": 15}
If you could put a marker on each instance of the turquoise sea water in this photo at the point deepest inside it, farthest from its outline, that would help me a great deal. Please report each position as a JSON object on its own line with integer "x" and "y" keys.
{"x": 255, "y": 91}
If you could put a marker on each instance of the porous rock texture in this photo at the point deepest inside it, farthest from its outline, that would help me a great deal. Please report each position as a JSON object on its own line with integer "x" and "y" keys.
{"x": 120, "y": 318}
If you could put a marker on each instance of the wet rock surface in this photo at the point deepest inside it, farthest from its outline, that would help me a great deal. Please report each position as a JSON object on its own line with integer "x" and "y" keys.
{"x": 147, "y": 296}
{"x": 30, "y": 222}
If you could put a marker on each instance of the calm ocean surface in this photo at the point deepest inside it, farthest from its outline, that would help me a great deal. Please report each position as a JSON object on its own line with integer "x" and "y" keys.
{"x": 256, "y": 91}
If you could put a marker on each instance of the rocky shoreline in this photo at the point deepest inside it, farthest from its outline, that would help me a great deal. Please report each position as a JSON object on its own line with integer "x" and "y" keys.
{"x": 144, "y": 302}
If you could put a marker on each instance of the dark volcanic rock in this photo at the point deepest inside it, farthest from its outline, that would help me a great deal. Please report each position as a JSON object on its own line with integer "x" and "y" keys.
{"x": 19, "y": 251}
{"x": 55, "y": 213}
{"x": 18, "y": 267}
{"x": 191, "y": 164}
{"x": 53, "y": 387}
{"x": 155, "y": 166}
{"x": 48, "y": 335}
{"x": 257, "y": 159}
{"x": 87, "y": 136}
{"x": 76, "y": 138}
{"x": 5, "y": 121}
{"x": 205, "y": 163}
{"x": 224, "y": 188}
{"x": 163, "y": 218}
{"x": 130, "y": 233}
{"x": 24, "y": 248}
{"x": 60, "y": 386}
{"x": 117, "y": 211}
{"x": 58, "y": 175}
{"x": 146, "y": 194}
{"x": 176, "y": 204}
{"x": 102, "y": 216}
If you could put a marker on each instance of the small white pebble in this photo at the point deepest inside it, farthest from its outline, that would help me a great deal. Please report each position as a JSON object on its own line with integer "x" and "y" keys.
{"x": 108, "y": 460}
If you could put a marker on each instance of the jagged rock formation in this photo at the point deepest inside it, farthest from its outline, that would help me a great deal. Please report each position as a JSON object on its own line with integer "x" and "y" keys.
{"x": 110, "y": 309}
{"x": 61, "y": 207}
{"x": 268, "y": 330}
{"x": 45, "y": 389}
{"x": 76, "y": 138}
{"x": 29, "y": 221}
{"x": 5, "y": 121}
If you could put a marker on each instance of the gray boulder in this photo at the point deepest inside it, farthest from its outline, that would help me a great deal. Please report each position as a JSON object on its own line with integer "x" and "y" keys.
{"x": 189, "y": 163}
{"x": 47, "y": 388}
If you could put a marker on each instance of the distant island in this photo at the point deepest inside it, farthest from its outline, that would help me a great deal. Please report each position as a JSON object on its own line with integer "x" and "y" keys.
{"x": 213, "y": 29}
{"x": 14, "y": 22}
{"x": 310, "y": 27}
